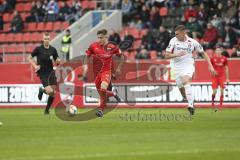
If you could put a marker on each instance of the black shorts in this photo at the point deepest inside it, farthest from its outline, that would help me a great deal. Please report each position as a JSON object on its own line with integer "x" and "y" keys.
{"x": 48, "y": 79}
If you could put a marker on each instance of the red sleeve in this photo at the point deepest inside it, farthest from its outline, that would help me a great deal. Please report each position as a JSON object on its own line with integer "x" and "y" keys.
{"x": 89, "y": 51}
{"x": 226, "y": 62}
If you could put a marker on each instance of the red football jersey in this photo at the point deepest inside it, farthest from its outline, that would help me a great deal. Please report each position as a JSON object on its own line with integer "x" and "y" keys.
{"x": 102, "y": 56}
{"x": 219, "y": 64}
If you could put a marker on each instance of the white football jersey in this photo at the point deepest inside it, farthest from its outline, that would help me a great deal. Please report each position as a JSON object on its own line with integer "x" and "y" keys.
{"x": 176, "y": 46}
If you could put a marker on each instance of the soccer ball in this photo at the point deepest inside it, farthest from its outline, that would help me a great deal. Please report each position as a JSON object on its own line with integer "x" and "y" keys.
{"x": 71, "y": 110}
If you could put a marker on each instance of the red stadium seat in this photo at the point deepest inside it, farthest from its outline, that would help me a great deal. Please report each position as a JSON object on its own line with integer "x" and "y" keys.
{"x": 18, "y": 37}
{"x": 27, "y": 7}
{"x": 36, "y": 37}
{"x": 10, "y": 37}
{"x": 20, "y": 48}
{"x": 26, "y": 37}
{"x": 65, "y": 25}
{"x": 41, "y": 26}
{"x": 20, "y": 7}
{"x": 2, "y": 37}
{"x": 7, "y": 27}
{"x": 6, "y": 17}
{"x": 163, "y": 11}
{"x": 10, "y": 48}
{"x": 57, "y": 26}
{"x": 49, "y": 26}
{"x": 30, "y": 47}
{"x": 32, "y": 26}
{"x": 53, "y": 35}
{"x": 153, "y": 54}
{"x": 92, "y": 4}
{"x": 137, "y": 44}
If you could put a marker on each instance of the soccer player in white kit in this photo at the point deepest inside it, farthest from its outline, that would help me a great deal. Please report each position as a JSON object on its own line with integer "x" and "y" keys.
{"x": 180, "y": 51}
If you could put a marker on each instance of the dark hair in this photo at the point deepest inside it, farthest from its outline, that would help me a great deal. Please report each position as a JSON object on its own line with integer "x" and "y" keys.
{"x": 68, "y": 31}
{"x": 180, "y": 28}
{"x": 102, "y": 31}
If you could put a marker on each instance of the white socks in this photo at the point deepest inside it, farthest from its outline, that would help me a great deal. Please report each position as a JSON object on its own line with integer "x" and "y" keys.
{"x": 189, "y": 95}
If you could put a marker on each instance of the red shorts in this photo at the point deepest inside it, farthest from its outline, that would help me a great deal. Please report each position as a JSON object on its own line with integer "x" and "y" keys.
{"x": 104, "y": 76}
{"x": 218, "y": 81}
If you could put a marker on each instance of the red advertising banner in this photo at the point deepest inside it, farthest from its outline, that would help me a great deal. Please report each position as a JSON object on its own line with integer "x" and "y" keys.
{"x": 142, "y": 83}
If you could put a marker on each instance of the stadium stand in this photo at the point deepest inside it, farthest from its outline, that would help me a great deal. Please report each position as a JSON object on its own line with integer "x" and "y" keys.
{"x": 143, "y": 20}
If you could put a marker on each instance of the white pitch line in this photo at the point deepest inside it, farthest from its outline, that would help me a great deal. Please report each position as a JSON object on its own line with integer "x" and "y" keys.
{"x": 130, "y": 154}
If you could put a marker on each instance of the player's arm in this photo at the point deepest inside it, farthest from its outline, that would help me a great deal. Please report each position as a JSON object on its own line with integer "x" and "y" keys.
{"x": 56, "y": 58}
{"x": 227, "y": 73}
{"x": 169, "y": 55}
{"x": 199, "y": 49}
{"x": 169, "y": 51}
{"x": 210, "y": 66}
{"x": 86, "y": 61}
{"x": 32, "y": 61}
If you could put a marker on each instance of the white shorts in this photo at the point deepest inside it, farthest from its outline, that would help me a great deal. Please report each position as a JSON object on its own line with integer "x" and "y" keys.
{"x": 187, "y": 71}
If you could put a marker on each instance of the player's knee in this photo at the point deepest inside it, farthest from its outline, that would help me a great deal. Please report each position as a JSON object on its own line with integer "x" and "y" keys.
{"x": 49, "y": 91}
{"x": 104, "y": 85}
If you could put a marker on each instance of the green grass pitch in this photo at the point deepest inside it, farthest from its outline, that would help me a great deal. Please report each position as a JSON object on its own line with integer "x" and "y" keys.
{"x": 26, "y": 134}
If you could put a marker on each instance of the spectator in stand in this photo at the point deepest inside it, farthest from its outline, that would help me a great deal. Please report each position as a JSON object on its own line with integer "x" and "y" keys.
{"x": 212, "y": 7}
{"x": 162, "y": 39}
{"x": 142, "y": 53}
{"x": 202, "y": 14}
{"x": 1, "y": 22}
{"x": 37, "y": 12}
{"x": 230, "y": 11}
{"x": 17, "y": 22}
{"x": 52, "y": 10}
{"x": 229, "y": 37}
{"x": 76, "y": 10}
{"x": 155, "y": 18}
{"x": 193, "y": 28}
{"x": 219, "y": 11}
{"x": 4, "y": 7}
{"x": 11, "y": 3}
{"x": 33, "y": 10}
{"x": 190, "y": 12}
{"x": 136, "y": 9}
{"x": 126, "y": 8}
{"x": 236, "y": 52}
{"x": 114, "y": 37}
{"x": 148, "y": 40}
{"x": 64, "y": 12}
{"x": 39, "y": 15}
{"x": 128, "y": 37}
{"x": 145, "y": 16}
{"x": 218, "y": 22}
{"x": 210, "y": 36}
{"x": 235, "y": 22}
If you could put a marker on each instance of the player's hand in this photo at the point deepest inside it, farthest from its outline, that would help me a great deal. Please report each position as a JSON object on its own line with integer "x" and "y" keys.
{"x": 37, "y": 68}
{"x": 227, "y": 81}
{"x": 213, "y": 72}
{"x": 118, "y": 71}
{"x": 114, "y": 76}
{"x": 57, "y": 62}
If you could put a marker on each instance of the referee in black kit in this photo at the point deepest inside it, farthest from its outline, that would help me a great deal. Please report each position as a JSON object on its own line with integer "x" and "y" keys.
{"x": 46, "y": 57}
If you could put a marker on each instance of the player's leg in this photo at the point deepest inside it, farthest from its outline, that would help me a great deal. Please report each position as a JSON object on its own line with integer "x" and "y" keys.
{"x": 51, "y": 92}
{"x": 214, "y": 88}
{"x": 181, "y": 87}
{"x": 222, "y": 86}
{"x": 49, "y": 82}
{"x": 186, "y": 80}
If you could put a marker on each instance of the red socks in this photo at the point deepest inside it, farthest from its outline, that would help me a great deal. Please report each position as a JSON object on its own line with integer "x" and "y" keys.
{"x": 221, "y": 102}
{"x": 104, "y": 94}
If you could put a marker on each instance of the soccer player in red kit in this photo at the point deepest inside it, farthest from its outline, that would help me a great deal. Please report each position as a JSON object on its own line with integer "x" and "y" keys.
{"x": 104, "y": 51}
{"x": 220, "y": 65}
